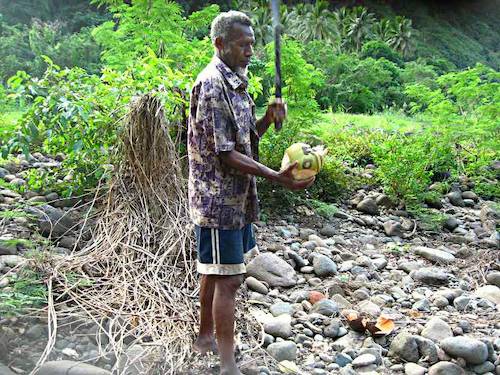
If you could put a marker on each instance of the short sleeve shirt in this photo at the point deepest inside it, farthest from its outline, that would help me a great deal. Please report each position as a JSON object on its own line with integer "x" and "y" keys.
{"x": 221, "y": 119}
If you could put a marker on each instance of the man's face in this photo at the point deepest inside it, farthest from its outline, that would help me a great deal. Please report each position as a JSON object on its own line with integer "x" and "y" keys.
{"x": 237, "y": 49}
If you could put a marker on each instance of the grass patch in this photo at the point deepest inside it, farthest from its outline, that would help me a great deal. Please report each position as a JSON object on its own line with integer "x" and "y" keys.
{"x": 8, "y": 124}
{"x": 26, "y": 291}
{"x": 323, "y": 209}
{"x": 18, "y": 241}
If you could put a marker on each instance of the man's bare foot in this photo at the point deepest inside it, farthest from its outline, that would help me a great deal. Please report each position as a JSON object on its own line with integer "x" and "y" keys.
{"x": 205, "y": 344}
{"x": 230, "y": 369}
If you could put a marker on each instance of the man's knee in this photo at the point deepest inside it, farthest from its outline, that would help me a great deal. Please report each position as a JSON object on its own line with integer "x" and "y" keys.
{"x": 229, "y": 284}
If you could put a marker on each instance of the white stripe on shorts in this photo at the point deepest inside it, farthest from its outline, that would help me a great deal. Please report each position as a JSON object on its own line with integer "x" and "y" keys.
{"x": 217, "y": 245}
{"x": 212, "y": 237}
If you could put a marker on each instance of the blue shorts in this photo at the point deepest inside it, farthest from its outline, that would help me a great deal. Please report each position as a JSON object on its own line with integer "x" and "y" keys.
{"x": 221, "y": 251}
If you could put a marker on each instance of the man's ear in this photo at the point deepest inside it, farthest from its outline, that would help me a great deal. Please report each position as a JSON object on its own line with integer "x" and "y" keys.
{"x": 219, "y": 43}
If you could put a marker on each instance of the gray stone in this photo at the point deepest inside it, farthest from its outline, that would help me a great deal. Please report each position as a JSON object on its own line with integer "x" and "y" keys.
{"x": 493, "y": 278}
{"x": 369, "y": 308}
{"x": 393, "y": 228}
{"x": 434, "y": 255}
{"x": 324, "y": 266}
{"x": 283, "y": 351}
{"x": 427, "y": 349}
{"x": 455, "y": 198}
{"x": 490, "y": 293}
{"x": 431, "y": 275}
{"x": 422, "y": 305}
{"x": 328, "y": 230}
{"x": 51, "y": 221}
{"x": 451, "y": 223}
{"x": 368, "y": 206}
{"x": 280, "y": 308}
{"x": 472, "y": 350}
{"x": 446, "y": 368}
{"x": 35, "y": 332}
{"x": 342, "y": 359}
{"x": 404, "y": 346}
{"x": 414, "y": 369}
{"x": 299, "y": 261}
{"x": 332, "y": 330}
{"x": 486, "y": 367}
{"x": 70, "y": 368}
{"x": 461, "y": 303}
{"x": 437, "y": 330}
{"x": 256, "y": 285}
{"x": 364, "y": 360}
{"x": 278, "y": 327}
{"x": 273, "y": 270}
{"x": 325, "y": 307}
{"x": 384, "y": 201}
{"x": 11, "y": 260}
{"x": 489, "y": 215}
{"x": 470, "y": 195}
{"x": 4, "y": 370}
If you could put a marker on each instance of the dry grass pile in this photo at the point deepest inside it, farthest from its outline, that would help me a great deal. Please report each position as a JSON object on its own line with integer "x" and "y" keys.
{"x": 136, "y": 277}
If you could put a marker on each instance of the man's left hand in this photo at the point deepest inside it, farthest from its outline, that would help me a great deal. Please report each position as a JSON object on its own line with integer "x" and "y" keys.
{"x": 276, "y": 111}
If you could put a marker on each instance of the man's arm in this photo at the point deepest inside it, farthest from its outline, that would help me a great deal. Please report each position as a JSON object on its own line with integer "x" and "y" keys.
{"x": 245, "y": 164}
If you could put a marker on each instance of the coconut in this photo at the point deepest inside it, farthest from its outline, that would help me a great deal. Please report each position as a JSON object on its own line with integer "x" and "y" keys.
{"x": 309, "y": 160}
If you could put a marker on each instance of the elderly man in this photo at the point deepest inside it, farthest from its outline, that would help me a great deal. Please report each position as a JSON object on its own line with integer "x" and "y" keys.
{"x": 223, "y": 137}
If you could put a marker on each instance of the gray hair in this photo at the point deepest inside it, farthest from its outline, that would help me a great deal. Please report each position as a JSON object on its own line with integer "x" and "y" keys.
{"x": 224, "y": 22}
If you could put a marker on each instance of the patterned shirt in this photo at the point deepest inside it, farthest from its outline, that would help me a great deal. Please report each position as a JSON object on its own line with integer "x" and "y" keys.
{"x": 222, "y": 118}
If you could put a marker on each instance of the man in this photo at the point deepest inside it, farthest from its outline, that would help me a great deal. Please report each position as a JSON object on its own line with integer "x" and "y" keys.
{"x": 223, "y": 137}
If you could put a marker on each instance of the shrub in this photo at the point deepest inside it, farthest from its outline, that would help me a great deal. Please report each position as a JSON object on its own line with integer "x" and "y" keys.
{"x": 377, "y": 49}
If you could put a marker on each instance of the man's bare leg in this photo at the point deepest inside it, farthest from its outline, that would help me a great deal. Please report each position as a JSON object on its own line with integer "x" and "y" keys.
{"x": 223, "y": 312}
{"x": 206, "y": 341}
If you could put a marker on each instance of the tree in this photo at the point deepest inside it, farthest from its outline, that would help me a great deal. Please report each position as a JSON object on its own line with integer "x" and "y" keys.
{"x": 360, "y": 26}
{"x": 383, "y": 30}
{"x": 401, "y": 36}
{"x": 318, "y": 23}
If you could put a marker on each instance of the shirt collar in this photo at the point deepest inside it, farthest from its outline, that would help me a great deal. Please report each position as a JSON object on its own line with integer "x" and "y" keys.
{"x": 234, "y": 79}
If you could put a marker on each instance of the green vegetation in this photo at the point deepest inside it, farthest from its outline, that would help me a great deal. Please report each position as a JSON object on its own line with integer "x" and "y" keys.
{"x": 414, "y": 95}
{"x": 25, "y": 291}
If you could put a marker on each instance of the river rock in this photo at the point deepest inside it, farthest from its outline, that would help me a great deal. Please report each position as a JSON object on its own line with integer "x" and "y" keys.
{"x": 393, "y": 228}
{"x": 273, "y": 270}
{"x": 324, "y": 266}
{"x": 472, "y": 350}
{"x": 434, "y": 255}
{"x": 493, "y": 278}
{"x": 455, "y": 198}
{"x": 414, "y": 369}
{"x": 446, "y": 368}
{"x": 70, "y": 368}
{"x": 256, "y": 285}
{"x": 325, "y": 307}
{"x": 368, "y": 206}
{"x": 437, "y": 330}
{"x": 279, "y": 327}
{"x": 431, "y": 275}
{"x": 489, "y": 292}
{"x": 404, "y": 346}
{"x": 51, "y": 221}
{"x": 283, "y": 351}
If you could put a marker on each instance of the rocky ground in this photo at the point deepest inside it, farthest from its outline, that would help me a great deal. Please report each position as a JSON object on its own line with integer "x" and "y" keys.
{"x": 440, "y": 287}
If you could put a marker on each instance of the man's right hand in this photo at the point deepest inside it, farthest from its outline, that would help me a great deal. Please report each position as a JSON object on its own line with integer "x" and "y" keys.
{"x": 285, "y": 178}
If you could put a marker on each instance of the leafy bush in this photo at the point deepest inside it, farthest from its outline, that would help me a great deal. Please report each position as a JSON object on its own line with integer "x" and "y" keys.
{"x": 377, "y": 49}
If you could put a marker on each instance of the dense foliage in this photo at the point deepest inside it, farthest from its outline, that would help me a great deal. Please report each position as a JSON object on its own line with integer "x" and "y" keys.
{"x": 70, "y": 83}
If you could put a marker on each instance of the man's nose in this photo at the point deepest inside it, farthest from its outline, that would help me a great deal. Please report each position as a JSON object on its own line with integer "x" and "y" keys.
{"x": 249, "y": 52}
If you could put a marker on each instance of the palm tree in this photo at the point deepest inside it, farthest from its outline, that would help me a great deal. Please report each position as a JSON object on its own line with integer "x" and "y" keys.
{"x": 359, "y": 27}
{"x": 401, "y": 36}
{"x": 383, "y": 30}
{"x": 318, "y": 23}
